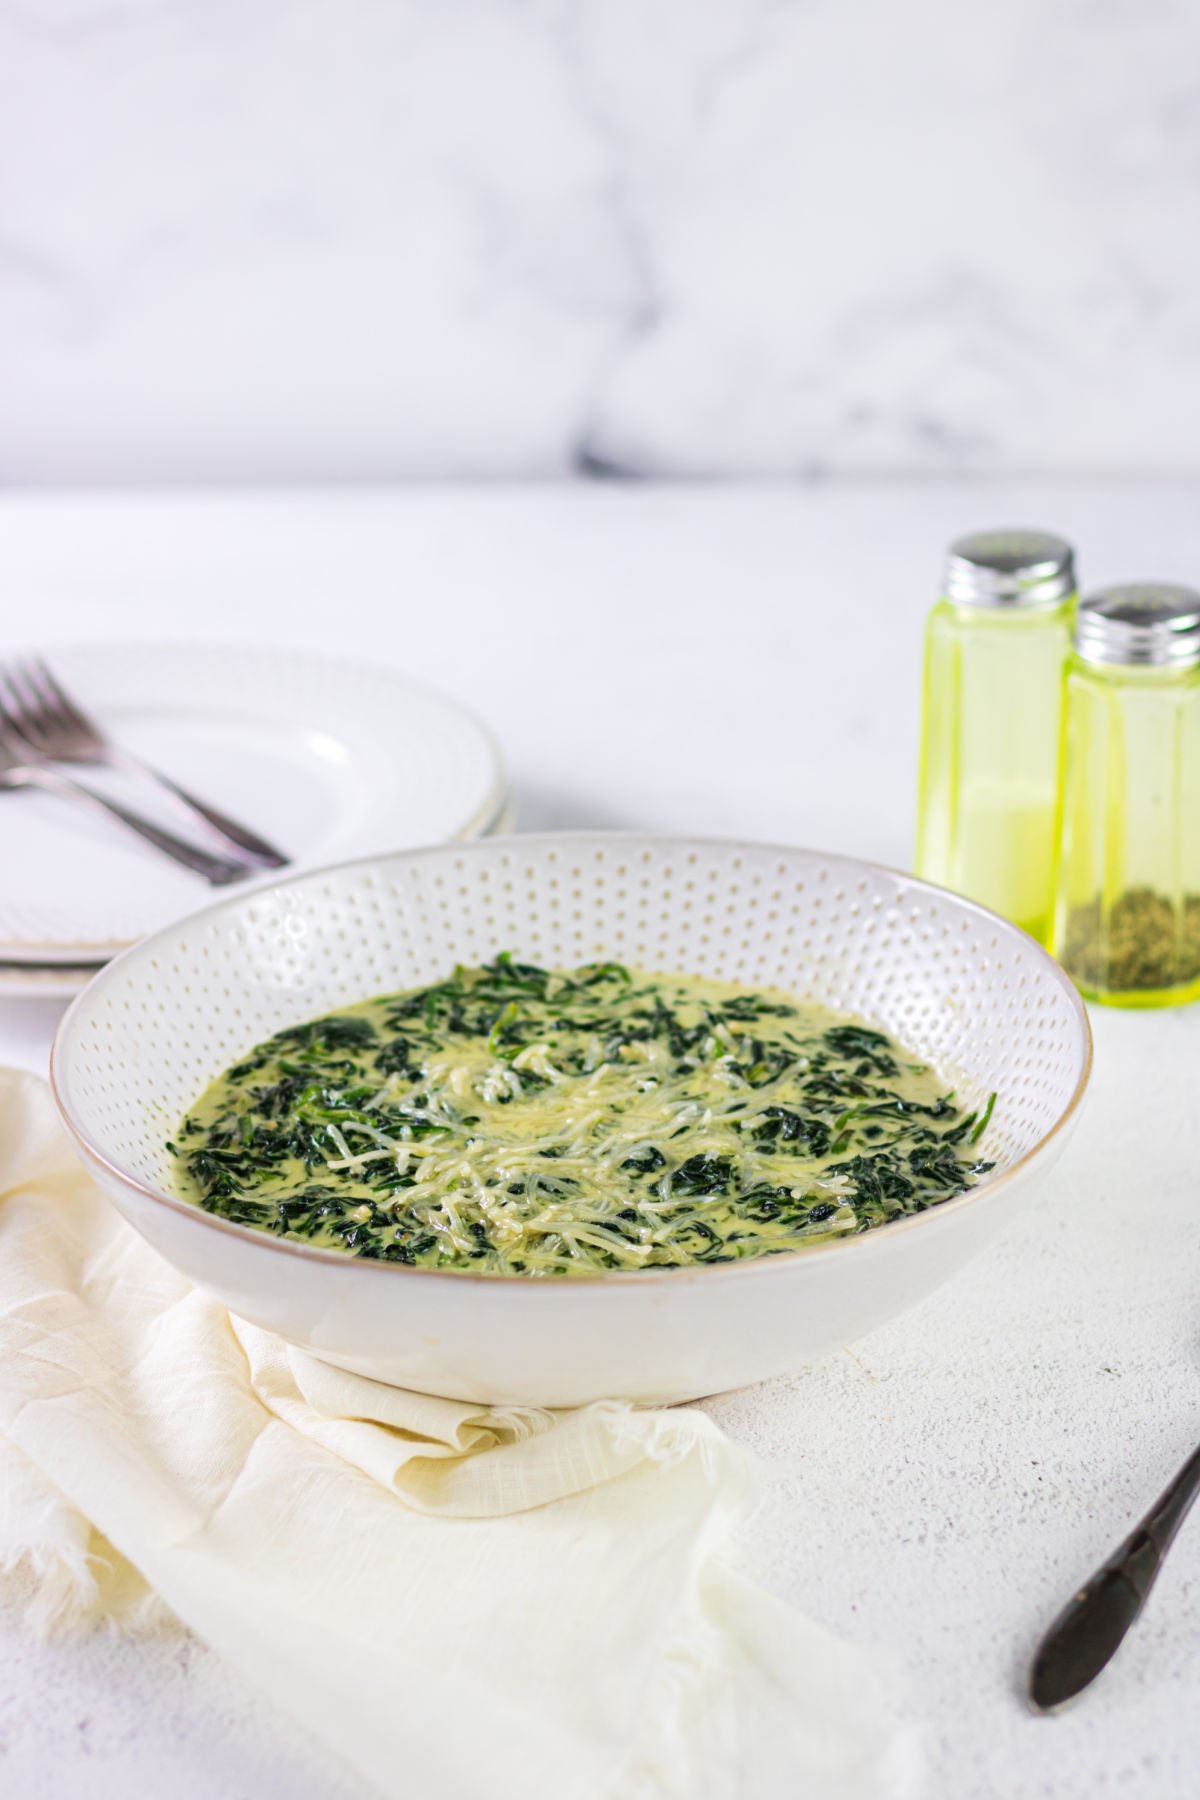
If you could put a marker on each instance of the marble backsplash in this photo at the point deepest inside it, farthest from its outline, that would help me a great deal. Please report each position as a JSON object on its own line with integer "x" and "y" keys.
{"x": 255, "y": 240}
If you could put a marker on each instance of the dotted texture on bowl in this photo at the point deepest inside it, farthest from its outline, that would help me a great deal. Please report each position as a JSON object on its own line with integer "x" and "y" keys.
{"x": 962, "y": 990}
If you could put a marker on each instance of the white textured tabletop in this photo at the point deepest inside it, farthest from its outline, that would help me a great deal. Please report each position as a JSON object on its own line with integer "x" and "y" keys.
{"x": 734, "y": 661}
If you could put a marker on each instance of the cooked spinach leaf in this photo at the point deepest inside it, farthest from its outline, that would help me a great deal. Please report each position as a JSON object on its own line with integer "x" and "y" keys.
{"x": 518, "y": 1120}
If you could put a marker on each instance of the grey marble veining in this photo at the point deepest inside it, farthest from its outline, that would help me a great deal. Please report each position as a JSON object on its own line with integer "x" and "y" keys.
{"x": 356, "y": 239}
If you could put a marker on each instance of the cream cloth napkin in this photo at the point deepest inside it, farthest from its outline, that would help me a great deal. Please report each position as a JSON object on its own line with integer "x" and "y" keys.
{"x": 459, "y": 1601}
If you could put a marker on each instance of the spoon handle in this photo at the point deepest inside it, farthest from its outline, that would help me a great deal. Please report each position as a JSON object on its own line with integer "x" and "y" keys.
{"x": 1090, "y": 1628}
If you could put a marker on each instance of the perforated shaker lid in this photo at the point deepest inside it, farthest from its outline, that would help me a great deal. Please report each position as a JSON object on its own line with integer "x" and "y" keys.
{"x": 1009, "y": 568}
{"x": 1149, "y": 622}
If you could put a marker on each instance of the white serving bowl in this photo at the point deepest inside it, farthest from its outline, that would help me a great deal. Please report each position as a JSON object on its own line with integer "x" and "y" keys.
{"x": 956, "y": 984}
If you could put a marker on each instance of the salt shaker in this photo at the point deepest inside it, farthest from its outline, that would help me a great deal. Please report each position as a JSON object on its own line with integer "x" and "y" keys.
{"x": 995, "y": 646}
{"x": 1127, "y": 911}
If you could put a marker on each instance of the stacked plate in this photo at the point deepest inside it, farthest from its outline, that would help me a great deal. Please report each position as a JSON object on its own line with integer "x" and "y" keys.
{"x": 327, "y": 760}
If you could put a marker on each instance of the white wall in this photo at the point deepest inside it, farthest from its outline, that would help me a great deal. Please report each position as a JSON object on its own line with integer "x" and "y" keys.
{"x": 262, "y": 239}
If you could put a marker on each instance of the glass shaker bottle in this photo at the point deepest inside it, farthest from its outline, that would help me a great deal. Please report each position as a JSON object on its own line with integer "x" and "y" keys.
{"x": 1127, "y": 914}
{"x": 995, "y": 646}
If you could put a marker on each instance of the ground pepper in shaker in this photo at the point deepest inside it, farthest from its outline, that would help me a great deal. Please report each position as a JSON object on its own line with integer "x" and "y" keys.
{"x": 1127, "y": 911}
{"x": 995, "y": 646}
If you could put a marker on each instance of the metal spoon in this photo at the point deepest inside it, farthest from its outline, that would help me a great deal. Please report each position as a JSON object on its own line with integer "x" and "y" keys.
{"x": 1089, "y": 1630}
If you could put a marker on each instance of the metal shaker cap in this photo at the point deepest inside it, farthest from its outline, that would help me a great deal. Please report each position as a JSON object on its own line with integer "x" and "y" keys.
{"x": 1147, "y": 622}
{"x": 1009, "y": 568}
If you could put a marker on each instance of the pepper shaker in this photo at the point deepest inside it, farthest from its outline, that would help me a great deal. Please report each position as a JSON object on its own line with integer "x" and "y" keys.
{"x": 1127, "y": 913}
{"x": 995, "y": 646}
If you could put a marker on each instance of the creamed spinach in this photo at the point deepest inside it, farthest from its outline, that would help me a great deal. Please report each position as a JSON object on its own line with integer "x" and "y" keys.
{"x": 513, "y": 1120}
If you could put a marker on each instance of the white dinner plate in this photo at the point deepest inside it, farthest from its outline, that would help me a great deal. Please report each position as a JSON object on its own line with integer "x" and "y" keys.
{"x": 44, "y": 981}
{"x": 55, "y": 979}
{"x": 327, "y": 760}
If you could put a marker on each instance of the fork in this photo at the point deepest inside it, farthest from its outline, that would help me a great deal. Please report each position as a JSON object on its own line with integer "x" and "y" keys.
{"x": 57, "y": 728}
{"x": 20, "y": 767}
